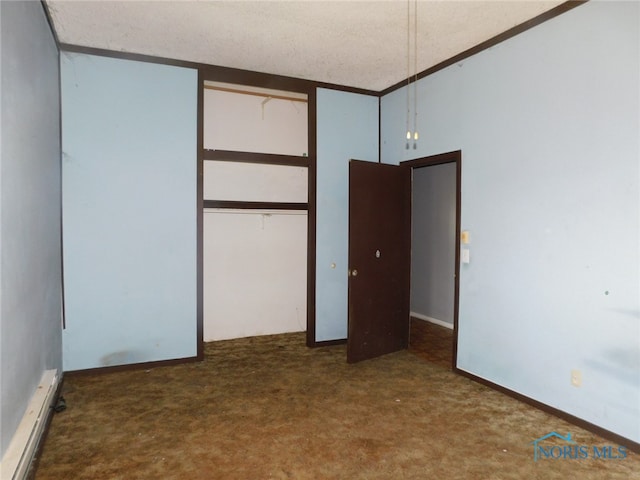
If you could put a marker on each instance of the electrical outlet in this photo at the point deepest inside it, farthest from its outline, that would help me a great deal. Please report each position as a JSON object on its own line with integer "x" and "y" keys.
{"x": 576, "y": 378}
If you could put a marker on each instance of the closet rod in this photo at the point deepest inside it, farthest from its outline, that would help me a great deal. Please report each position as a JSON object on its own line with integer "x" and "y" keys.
{"x": 257, "y": 94}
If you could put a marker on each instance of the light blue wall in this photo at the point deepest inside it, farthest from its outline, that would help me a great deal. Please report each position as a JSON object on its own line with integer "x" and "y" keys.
{"x": 347, "y": 128}
{"x": 548, "y": 124}
{"x": 129, "y": 206}
{"x": 30, "y": 286}
{"x": 433, "y": 241}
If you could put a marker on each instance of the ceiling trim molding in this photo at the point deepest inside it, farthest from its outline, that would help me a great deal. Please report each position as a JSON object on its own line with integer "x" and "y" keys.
{"x": 138, "y": 57}
{"x": 512, "y": 32}
{"x": 269, "y": 80}
{"x": 222, "y": 74}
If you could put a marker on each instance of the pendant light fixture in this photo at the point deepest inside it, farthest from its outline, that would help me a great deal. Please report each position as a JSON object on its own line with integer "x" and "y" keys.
{"x": 412, "y": 134}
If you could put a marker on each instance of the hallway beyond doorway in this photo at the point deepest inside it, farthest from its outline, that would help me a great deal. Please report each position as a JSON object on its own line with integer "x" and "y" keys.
{"x": 431, "y": 342}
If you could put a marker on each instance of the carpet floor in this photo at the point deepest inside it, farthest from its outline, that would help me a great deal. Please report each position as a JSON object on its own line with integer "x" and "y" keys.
{"x": 431, "y": 342}
{"x": 270, "y": 408}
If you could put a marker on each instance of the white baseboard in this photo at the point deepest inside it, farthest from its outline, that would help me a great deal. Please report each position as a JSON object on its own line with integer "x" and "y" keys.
{"x": 442, "y": 323}
{"x": 17, "y": 458}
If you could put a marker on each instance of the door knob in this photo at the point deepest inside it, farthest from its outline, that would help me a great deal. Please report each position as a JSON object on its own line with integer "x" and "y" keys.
{"x": 354, "y": 273}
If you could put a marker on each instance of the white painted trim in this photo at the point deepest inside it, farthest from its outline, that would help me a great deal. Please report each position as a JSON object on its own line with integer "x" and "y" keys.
{"x": 17, "y": 459}
{"x": 442, "y": 323}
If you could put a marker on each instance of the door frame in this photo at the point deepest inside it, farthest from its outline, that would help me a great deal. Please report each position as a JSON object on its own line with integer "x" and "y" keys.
{"x": 263, "y": 80}
{"x": 430, "y": 161}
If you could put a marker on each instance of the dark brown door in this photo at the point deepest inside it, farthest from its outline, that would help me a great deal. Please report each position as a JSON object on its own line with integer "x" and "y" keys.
{"x": 379, "y": 259}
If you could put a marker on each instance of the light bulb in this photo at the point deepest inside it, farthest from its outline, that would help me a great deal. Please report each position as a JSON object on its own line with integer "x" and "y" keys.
{"x": 408, "y": 134}
{"x": 415, "y": 135}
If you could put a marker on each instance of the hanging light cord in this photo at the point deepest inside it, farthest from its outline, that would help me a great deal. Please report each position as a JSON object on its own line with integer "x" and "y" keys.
{"x": 414, "y": 76}
{"x": 415, "y": 80}
{"x": 408, "y": 70}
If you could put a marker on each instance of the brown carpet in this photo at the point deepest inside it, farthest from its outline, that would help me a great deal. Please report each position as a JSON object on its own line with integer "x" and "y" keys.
{"x": 431, "y": 342}
{"x": 268, "y": 407}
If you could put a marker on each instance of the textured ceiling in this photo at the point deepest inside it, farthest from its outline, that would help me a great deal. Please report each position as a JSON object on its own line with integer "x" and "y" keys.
{"x": 352, "y": 43}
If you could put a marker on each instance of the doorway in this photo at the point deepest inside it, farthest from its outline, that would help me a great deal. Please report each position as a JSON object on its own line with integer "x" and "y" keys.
{"x": 379, "y": 200}
{"x": 255, "y": 211}
{"x": 435, "y": 246}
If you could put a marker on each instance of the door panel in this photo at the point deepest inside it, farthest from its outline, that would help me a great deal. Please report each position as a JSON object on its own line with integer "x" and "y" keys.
{"x": 379, "y": 259}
